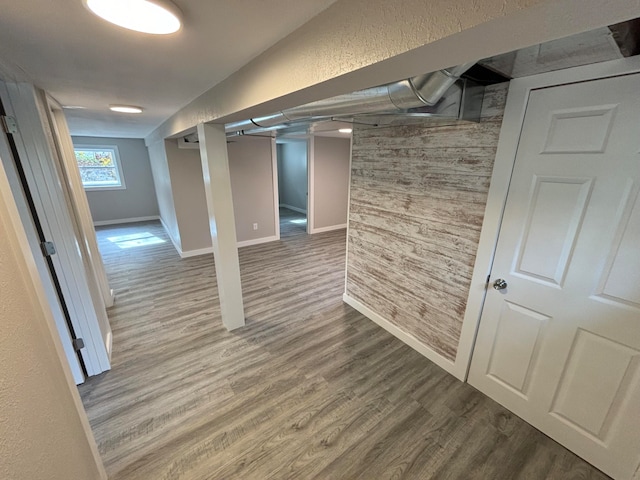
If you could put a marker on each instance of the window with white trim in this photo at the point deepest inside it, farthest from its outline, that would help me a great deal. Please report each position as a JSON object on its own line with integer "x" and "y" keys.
{"x": 100, "y": 167}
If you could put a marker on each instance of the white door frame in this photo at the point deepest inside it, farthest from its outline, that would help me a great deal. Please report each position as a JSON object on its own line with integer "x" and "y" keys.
{"x": 63, "y": 155}
{"x": 512, "y": 124}
{"x": 67, "y": 159}
{"x": 23, "y": 102}
{"x": 29, "y": 225}
{"x": 311, "y": 148}
{"x": 276, "y": 194}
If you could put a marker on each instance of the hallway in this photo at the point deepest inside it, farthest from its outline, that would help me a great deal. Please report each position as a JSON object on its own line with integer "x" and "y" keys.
{"x": 308, "y": 389}
{"x": 292, "y": 223}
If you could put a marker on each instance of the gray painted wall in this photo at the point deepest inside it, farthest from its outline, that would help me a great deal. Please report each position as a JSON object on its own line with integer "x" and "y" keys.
{"x": 251, "y": 170}
{"x": 139, "y": 198}
{"x": 331, "y": 181}
{"x": 189, "y": 198}
{"x": 181, "y": 197}
{"x": 292, "y": 174}
{"x": 164, "y": 191}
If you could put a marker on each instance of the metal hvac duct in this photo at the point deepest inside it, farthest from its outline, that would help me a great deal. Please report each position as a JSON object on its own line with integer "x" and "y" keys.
{"x": 422, "y": 94}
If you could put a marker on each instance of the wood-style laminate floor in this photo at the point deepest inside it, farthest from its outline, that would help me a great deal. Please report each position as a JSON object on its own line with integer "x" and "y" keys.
{"x": 309, "y": 389}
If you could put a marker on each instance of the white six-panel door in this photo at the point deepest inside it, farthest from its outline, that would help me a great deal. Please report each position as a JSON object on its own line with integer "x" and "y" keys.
{"x": 560, "y": 345}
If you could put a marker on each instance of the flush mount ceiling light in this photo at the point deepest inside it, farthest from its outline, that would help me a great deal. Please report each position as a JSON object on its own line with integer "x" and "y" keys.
{"x": 345, "y": 130}
{"x": 125, "y": 108}
{"x": 159, "y": 17}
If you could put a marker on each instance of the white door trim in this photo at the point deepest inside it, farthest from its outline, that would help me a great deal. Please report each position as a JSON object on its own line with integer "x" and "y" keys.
{"x": 346, "y": 256}
{"x": 517, "y": 100}
{"x": 311, "y": 147}
{"x": 67, "y": 160}
{"x": 276, "y": 195}
{"x": 28, "y": 223}
{"x": 23, "y": 101}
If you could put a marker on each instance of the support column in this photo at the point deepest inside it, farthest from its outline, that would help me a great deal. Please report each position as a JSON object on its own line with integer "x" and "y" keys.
{"x": 217, "y": 186}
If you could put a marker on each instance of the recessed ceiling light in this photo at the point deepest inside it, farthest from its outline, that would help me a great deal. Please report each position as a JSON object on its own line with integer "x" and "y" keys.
{"x": 125, "y": 108}
{"x": 159, "y": 17}
{"x": 345, "y": 130}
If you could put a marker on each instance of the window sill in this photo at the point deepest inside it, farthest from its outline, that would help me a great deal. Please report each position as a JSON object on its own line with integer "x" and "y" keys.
{"x": 98, "y": 189}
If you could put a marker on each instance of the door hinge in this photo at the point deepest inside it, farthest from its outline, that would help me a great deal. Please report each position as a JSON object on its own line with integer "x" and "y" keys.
{"x": 78, "y": 344}
{"x": 48, "y": 248}
{"x": 9, "y": 124}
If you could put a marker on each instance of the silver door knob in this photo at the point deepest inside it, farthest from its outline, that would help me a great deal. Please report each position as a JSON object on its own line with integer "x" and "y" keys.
{"x": 500, "y": 284}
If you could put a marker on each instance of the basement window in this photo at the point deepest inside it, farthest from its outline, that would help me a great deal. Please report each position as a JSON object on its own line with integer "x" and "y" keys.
{"x": 100, "y": 167}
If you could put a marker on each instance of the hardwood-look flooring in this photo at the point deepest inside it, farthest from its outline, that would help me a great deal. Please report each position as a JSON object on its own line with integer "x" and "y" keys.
{"x": 309, "y": 389}
{"x": 292, "y": 223}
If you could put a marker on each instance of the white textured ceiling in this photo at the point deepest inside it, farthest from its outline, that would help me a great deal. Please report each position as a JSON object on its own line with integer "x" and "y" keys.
{"x": 82, "y": 60}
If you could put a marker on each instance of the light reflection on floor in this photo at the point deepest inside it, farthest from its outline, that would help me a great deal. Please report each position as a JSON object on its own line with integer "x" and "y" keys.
{"x": 299, "y": 220}
{"x": 135, "y": 240}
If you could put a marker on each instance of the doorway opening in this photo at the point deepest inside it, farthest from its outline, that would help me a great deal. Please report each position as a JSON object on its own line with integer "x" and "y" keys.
{"x": 293, "y": 182}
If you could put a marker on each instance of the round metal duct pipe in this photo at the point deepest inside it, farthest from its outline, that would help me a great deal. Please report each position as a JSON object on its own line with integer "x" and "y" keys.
{"x": 420, "y": 91}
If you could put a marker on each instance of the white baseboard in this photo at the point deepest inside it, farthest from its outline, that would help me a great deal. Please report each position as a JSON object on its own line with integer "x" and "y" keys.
{"x": 108, "y": 303}
{"x": 257, "y": 241}
{"x": 109, "y": 345}
{"x": 101, "y": 223}
{"x": 176, "y": 245}
{"x": 195, "y": 253}
{"x": 295, "y": 209}
{"x": 328, "y": 229}
{"x": 209, "y": 250}
{"x": 405, "y": 337}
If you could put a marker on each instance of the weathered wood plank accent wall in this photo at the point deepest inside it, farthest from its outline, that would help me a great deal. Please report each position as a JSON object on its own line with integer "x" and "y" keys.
{"x": 418, "y": 195}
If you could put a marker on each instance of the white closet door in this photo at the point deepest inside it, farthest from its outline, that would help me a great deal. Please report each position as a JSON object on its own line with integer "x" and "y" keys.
{"x": 560, "y": 345}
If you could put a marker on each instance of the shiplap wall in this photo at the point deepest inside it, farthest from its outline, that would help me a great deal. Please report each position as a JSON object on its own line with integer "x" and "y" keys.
{"x": 418, "y": 195}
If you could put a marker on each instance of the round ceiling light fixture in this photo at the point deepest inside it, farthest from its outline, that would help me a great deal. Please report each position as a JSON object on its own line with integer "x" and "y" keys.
{"x": 159, "y": 17}
{"x": 345, "y": 130}
{"x": 125, "y": 108}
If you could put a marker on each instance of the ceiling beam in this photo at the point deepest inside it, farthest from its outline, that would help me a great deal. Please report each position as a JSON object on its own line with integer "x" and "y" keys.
{"x": 356, "y": 44}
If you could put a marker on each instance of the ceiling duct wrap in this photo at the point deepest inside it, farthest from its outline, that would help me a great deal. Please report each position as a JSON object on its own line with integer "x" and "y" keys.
{"x": 439, "y": 94}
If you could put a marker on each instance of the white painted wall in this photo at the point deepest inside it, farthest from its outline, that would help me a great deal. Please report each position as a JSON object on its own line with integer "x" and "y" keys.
{"x": 331, "y": 182}
{"x": 45, "y": 434}
{"x": 292, "y": 174}
{"x": 138, "y": 200}
{"x": 251, "y": 169}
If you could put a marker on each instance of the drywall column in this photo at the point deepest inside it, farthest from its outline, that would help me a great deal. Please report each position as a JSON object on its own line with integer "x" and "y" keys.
{"x": 189, "y": 199}
{"x": 217, "y": 186}
{"x": 331, "y": 158}
{"x": 164, "y": 192}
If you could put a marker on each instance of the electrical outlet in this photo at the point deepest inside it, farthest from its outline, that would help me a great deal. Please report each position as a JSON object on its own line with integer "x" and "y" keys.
{"x": 255, "y": 226}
